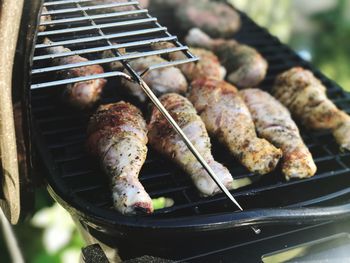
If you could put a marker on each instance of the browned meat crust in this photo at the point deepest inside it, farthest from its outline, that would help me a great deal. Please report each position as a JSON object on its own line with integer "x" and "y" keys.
{"x": 117, "y": 135}
{"x": 214, "y": 18}
{"x": 305, "y": 96}
{"x": 208, "y": 65}
{"x": 227, "y": 117}
{"x": 83, "y": 94}
{"x": 245, "y": 66}
{"x": 274, "y": 123}
{"x": 166, "y": 141}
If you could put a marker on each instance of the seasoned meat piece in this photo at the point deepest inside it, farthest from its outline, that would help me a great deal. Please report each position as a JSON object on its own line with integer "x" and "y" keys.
{"x": 214, "y": 18}
{"x": 161, "y": 4}
{"x": 245, "y": 66}
{"x": 44, "y": 19}
{"x": 117, "y": 135}
{"x": 208, "y": 65}
{"x": 166, "y": 141}
{"x": 227, "y": 118}
{"x": 83, "y": 94}
{"x": 116, "y": 65}
{"x": 305, "y": 96}
{"x": 143, "y": 4}
{"x": 274, "y": 123}
{"x": 161, "y": 81}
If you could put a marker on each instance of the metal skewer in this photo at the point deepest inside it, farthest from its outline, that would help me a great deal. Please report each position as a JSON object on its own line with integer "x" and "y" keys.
{"x": 190, "y": 146}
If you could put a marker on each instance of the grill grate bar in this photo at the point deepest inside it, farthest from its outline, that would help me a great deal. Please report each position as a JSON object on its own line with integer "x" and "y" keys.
{"x": 77, "y": 174}
{"x": 168, "y": 64}
{"x": 88, "y": 188}
{"x": 62, "y": 145}
{"x": 70, "y": 159}
{"x": 107, "y": 25}
{"x": 109, "y": 60}
{"x": 63, "y": 130}
{"x": 104, "y": 48}
{"x": 65, "y": 2}
{"x": 94, "y": 17}
{"x": 77, "y": 79}
{"x": 105, "y": 37}
{"x": 88, "y": 8}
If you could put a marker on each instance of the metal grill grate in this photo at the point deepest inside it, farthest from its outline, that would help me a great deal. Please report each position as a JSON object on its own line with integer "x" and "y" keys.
{"x": 63, "y": 132}
{"x": 89, "y": 28}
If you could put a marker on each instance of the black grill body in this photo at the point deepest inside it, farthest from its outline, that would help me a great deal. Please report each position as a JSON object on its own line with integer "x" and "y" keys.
{"x": 194, "y": 225}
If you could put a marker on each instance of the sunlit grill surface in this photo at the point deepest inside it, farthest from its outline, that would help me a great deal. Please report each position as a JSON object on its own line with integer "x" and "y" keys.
{"x": 63, "y": 130}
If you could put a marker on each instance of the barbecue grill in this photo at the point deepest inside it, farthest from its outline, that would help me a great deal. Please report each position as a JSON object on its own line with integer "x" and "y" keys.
{"x": 55, "y": 144}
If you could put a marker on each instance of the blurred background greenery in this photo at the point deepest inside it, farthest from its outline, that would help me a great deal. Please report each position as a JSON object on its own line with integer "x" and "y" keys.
{"x": 317, "y": 30}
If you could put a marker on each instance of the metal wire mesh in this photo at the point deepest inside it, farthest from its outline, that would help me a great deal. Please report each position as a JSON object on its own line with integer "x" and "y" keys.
{"x": 88, "y": 28}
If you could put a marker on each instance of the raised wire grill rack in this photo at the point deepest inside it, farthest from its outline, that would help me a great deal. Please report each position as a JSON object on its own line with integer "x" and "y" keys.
{"x": 89, "y": 27}
{"x": 78, "y": 178}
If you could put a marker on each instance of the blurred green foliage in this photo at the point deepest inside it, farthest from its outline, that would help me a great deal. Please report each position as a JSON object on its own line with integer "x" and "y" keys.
{"x": 31, "y": 237}
{"x": 321, "y": 28}
{"x": 330, "y": 47}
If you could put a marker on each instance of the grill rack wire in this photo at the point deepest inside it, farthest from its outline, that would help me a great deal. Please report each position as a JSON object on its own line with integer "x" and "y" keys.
{"x": 79, "y": 29}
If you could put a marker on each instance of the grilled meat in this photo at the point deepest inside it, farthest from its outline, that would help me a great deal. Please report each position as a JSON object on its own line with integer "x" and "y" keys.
{"x": 117, "y": 135}
{"x": 161, "y": 4}
{"x": 44, "y": 19}
{"x": 207, "y": 66}
{"x": 161, "y": 81}
{"x": 227, "y": 118}
{"x": 83, "y": 94}
{"x": 245, "y": 66}
{"x": 274, "y": 123}
{"x": 166, "y": 141}
{"x": 305, "y": 96}
{"x": 116, "y": 65}
{"x": 214, "y": 18}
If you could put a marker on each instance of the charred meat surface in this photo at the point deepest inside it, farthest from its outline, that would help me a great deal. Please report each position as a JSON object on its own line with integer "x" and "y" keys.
{"x": 245, "y": 66}
{"x": 227, "y": 118}
{"x": 305, "y": 96}
{"x": 161, "y": 81}
{"x": 117, "y": 135}
{"x": 83, "y": 94}
{"x": 274, "y": 123}
{"x": 215, "y": 18}
{"x": 208, "y": 65}
{"x": 165, "y": 140}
